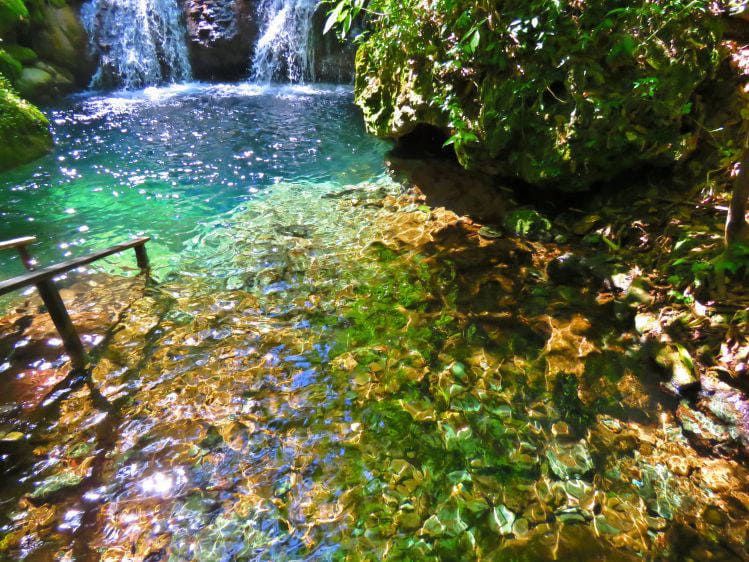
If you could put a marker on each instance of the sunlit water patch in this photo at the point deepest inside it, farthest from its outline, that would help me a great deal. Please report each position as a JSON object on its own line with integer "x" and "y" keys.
{"x": 167, "y": 162}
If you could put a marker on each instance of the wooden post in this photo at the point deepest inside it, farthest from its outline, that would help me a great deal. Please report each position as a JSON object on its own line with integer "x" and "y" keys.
{"x": 43, "y": 280}
{"x": 142, "y": 258}
{"x": 56, "y": 308}
{"x": 59, "y": 314}
{"x": 20, "y": 245}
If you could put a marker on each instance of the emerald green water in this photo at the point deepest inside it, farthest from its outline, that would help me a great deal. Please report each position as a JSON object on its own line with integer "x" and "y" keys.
{"x": 326, "y": 365}
{"x": 168, "y": 162}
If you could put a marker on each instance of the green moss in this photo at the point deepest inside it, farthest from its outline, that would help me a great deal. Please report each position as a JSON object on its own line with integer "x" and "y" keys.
{"x": 24, "y": 130}
{"x": 9, "y": 66}
{"x": 24, "y": 55}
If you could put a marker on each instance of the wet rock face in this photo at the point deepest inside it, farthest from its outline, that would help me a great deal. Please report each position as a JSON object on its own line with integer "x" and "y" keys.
{"x": 333, "y": 59}
{"x": 221, "y": 34}
{"x": 61, "y": 40}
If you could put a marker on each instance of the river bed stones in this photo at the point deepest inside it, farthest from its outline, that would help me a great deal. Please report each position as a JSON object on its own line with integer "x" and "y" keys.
{"x": 359, "y": 398}
{"x": 567, "y": 461}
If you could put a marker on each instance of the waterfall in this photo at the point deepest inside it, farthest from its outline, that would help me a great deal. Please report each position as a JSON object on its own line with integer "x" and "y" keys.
{"x": 283, "y": 50}
{"x": 139, "y": 42}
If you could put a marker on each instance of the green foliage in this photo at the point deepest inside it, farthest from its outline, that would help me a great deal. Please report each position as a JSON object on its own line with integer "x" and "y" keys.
{"x": 23, "y": 55}
{"x": 12, "y": 11}
{"x": 9, "y": 66}
{"x": 343, "y": 16}
{"x": 528, "y": 224}
{"x": 701, "y": 265}
{"x": 551, "y": 91}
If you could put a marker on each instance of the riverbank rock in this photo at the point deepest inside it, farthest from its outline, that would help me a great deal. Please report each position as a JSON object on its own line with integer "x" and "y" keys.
{"x": 44, "y": 83}
{"x": 24, "y": 130}
{"x": 60, "y": 40}
{"x": 221, "y": 34}
{"x": 678, "y": 363}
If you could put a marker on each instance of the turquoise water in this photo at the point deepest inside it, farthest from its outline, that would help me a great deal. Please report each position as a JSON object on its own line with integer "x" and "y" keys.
{"x": 169, "y": 162}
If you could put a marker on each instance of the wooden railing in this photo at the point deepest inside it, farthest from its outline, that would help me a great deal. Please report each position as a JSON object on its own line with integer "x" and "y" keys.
{"x": 43, "y": 280}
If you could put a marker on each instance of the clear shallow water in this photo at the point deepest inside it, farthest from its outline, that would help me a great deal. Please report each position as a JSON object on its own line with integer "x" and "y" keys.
{"x": 168, "y": 162}
{"x": 328, "y": 367}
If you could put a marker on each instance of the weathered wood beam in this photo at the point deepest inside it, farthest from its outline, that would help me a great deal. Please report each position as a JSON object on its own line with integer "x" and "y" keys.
{"x": 50, "y": 295}
{"x": 46, "y": 273}
{"x": 20, "y": 244}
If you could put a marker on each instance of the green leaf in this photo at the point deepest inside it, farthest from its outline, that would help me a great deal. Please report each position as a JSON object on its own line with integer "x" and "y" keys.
{"x": 333, "y": 16}
{"x": 625, "y": 46}
{"x": 12, "y": 11}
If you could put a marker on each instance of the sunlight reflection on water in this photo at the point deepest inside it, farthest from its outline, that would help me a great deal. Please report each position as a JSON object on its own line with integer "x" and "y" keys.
{"x": 165, "y": 161}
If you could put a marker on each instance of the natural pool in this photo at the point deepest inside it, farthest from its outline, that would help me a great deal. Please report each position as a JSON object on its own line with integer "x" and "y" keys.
{"x": 169, "y": 162}
{"x": 327, "y": 366}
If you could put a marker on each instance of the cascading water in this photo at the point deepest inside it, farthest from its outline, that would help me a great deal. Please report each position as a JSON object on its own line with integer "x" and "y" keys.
{"x": 283, "y": 50}
{"x": 139, "y": 42}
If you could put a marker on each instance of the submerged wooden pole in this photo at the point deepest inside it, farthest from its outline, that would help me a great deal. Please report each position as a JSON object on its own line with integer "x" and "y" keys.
{"x": 61, "y": 319}
{"x": 42, "y": 279}
{"x": 141, "y": 258}
{"x": 55, "y": 307}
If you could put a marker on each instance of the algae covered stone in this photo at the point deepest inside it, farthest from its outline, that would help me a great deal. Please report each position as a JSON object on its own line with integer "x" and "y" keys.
{"x": 56, "y": 483}
{"x": 569, "y": 460}
{"x": 24, "y": 130}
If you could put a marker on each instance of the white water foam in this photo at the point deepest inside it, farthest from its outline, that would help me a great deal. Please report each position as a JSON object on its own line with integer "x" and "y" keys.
{"x": 138, "y": 42}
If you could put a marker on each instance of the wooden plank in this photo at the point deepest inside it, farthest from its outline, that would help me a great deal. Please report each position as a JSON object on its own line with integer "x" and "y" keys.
{"x": 47, "y": 273}
{"x": 17, "y": 242}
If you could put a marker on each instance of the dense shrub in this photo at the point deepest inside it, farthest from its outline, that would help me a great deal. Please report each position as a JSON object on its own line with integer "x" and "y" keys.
{"x": 563, "y": 92}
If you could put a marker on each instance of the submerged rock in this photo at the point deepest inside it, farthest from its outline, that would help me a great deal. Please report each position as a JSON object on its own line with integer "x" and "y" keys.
{"x": 54, "y": 484}
{"x": 569, "y": 461}
{"x": 501, "y": 520}
{"x": 704, "y": 430}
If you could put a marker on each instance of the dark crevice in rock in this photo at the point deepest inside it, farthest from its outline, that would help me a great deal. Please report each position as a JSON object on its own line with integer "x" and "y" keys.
{"x": 424, "y": 141}
{"x": 221, "y": 34}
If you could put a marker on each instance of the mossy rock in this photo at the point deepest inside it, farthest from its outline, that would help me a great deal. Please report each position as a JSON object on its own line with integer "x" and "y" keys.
{"x": 61, "y": 40}
{"x": 55, "y": 484}
{"x": 44, "y": 82}
{"x": 24, "y": 130}
{"x": 22, "y": 54}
